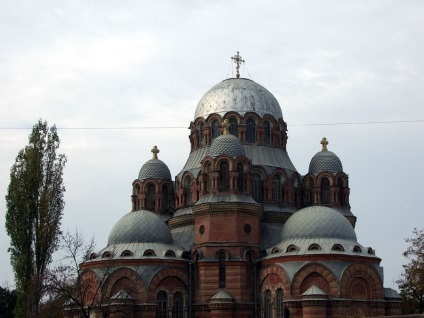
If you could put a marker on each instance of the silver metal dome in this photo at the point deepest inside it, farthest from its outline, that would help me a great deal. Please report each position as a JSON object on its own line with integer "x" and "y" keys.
{"x": 140, "y": 227}
{"x": 227, "y": 144}
{"x": 240, "y": 95}
{"x": 156, "y": 169}
{"x": 325, "y": 161}
{"x": 318, "y": 222}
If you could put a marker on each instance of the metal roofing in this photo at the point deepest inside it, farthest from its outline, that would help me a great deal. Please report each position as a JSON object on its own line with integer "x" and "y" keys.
{"x": 226, "y": 144}
{"x": 318, "y": 222}
{"x": 140, "y": 227}
{"x": 240, "y": 95}
{"x": 325, "y": 161}
{"x": 155, "y": 169}
{"x": 184, "y": 235}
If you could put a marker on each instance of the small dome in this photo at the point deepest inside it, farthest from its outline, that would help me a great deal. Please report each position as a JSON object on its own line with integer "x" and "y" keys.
{"x": 155, "y": 169}
{"x": 240, "y": 95}
{"x": 227, "y": 144}
{"x": 140, "y": 227}
{"x": 325, "y": 160}
{"x": 318, "y": 222}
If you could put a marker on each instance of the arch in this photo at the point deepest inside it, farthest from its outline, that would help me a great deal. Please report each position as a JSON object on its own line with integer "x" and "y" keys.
{"x": 224, "y": 176}
{"x": 178, "y": 276}
{"x": 162, "y": 304}
{"x": 127, "y": 253}
{"x": 201, "y": 135}
{"x": 322, "y": 270}
{"x": 292, "y": 248}
{"x": 314, "y": 247}
{"x": 325, "y": 191}
{"x": 357, "y": 249}
{"x": 340, "y": 194}
{"x": 314, "y": 279}
{"x": 257, "y": 187}
{"x": 166, "y": 198}
{"x": 337, "y": 247}
{"x": 367, "y": 273}
{"x": 267, "y": 305}
{"x": 170, "y": 253}
{"x": 107, "y": 254}
{"x": 278, "y": 193}
{"x": 124, "y": 279}
{"x": 359, "y": 288}
{"x": 150, "y": 197}
{"x": 187, "y": 190}
{"x": 240, "y": 177}
{"x": 278, "y": 272}
{"x": 215, "y": 128}
{"x": 233, "y": 126}
{"x": 310, "y": 184}
{"x": 149, "y": 253}
{"x": 251, "y": 131}
{"x": 178, "y": 308}
{"x": 267, "y": 133}
{"x": 279, "y": 308}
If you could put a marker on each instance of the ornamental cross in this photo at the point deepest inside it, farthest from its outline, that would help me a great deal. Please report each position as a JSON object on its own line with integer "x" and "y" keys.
{"x": 155, "y": 152}
{"x": 238, "y": 60}
{"x": 226, "y": 125}
{"x": 324, "y": 144}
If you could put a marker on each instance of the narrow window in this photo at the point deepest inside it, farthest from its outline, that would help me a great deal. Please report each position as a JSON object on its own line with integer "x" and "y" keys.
{"x": 325, "y": 191}
{"x": 233, "y": 127}
{"x": 279, "y": 303}
{"x": 249, "y": 270}
{"x": 311, "y": 191}
{"x": 267, "y": 304}
{"x": 187, "y": 190}
{"x": 221, "y": 260}
{"x": 240, "y": 177}
{"x": 267, "y": 133}
{"x": 251, "y": 131}
{"x": 215, "y": 129}
{"x": 201, "y": 136}
{"x": 277, "y": 189}
{"x": 340, "y": 194}
{"x": 210, "y": 178}
{"x": 178, "y": 309}
{"x": 161, "y": 305}
{"x": 224, "y": 176}
{"x": 150, "y": 198}
{"x": 257, "y": 187}
{"x": 165, "y": 199}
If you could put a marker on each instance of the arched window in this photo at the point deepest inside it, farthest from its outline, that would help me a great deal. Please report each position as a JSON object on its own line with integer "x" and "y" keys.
{"x": 222, "y": 278}
{"x": 277, "y": 189}
{"x": 150, "y": 197}
{"x": 340, "y": 193}
{"x": 210, "y": 178}
{"x": 314, "y": 247}
{"x": 311, "y": 191}
{"x": 267, "y": 304}
{"x": 165, "y": 199}
{"x": 257, "y": 187}
{"x": 224, "y": 176}
{"x": 249, "y": 269}
{"x": 279, "y": 303}
{"x": 251, "y": 131}
{"x": 233, "y": 127}
{"x": 267, "y": 133}
{"x": 325, "y": 191}
{"x": 187, "y": 190}
{"x": 294, "y": 193}
{"x": 240, "y": 177}
{"x": 215, "y": 129}
{"x": 161, "y": 309}
{"x": 201, "y": 136}
{"x": 178, "y": 309}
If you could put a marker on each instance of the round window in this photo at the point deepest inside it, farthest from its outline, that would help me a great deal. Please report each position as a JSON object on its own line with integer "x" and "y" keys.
{"x": 202, "y": 229}
{"x": 247, "y": 228}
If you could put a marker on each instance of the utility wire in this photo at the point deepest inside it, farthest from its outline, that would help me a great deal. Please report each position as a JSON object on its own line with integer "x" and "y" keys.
{"x": 185, "y": 127}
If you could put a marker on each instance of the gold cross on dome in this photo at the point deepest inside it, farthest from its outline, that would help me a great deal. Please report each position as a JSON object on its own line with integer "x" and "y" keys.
{"x": 226, "y": 126}
{"x": 238, "y": 60}
{"x": 324, "y": 144}
{"x": 155, "y": 152}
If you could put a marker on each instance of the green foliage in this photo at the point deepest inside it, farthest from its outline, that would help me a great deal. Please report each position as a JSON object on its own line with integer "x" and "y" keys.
{"x": 7, "y": 302}
{"x": 34, "y": 211}
{"x": 411, "y": 282}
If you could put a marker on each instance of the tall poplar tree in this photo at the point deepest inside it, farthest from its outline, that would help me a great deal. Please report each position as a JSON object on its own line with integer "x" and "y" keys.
{"x": 34, "y": 211}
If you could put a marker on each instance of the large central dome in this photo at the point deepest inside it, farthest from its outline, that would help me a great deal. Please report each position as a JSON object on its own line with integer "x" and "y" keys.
{"x": 240, "y": 95}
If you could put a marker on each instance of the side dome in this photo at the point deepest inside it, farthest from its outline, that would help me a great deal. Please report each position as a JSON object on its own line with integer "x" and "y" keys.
{"x": 227, "y": 144}
{"x": 240, "y": 95}
{"x": 154, "y": 168}
{"x": 140, "y": 227}
{"x": 318, "y": 222}
{"x": 325, "y": 161}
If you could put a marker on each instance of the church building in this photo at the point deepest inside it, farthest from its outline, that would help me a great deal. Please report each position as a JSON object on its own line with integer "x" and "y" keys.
{"x": 238, "y": 232}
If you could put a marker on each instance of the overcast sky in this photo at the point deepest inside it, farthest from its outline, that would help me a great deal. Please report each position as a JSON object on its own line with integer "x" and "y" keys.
{"x": 84, "y": 65}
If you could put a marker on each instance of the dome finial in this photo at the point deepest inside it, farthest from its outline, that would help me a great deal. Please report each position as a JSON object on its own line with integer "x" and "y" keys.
{"x": 155, "y": 152}
{"x": 226, "y": 125}
{"x": 238, "y": 60}
{"x": 324, "y": 144}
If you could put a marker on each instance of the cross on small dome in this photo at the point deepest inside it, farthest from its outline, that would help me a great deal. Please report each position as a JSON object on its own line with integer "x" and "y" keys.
{"x": 155, "y": 152}
{"x": 324, "y": 144}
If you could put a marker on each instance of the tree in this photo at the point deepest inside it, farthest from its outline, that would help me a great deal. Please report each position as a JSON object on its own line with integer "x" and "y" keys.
{"x": 34, "y": 211}
{"x": 411, "y": 282}
{"x": 7, "y": 302}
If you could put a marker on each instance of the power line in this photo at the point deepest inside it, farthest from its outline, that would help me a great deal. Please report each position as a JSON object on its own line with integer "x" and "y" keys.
{"x": 185, "y": 127}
